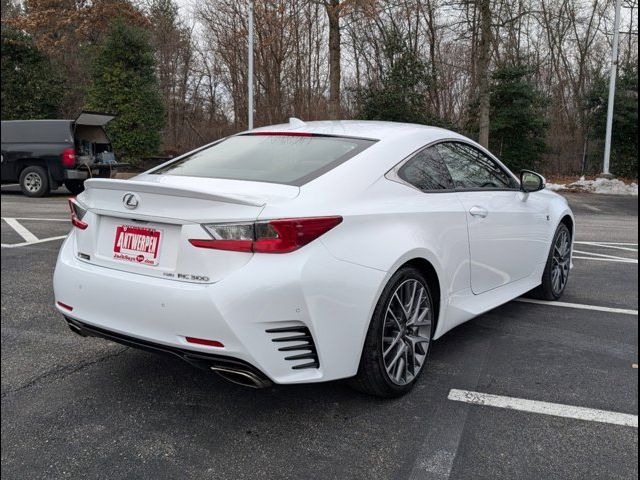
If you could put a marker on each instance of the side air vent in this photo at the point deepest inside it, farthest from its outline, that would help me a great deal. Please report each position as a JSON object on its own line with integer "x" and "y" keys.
{"x": 296, "y": 339}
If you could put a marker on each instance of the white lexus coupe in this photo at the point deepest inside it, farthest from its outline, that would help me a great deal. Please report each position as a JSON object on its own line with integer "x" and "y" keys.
{"x": 309, "y": 252}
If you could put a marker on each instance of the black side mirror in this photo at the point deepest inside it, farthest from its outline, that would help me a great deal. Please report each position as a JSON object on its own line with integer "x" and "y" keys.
{"x": 531, "y": 181}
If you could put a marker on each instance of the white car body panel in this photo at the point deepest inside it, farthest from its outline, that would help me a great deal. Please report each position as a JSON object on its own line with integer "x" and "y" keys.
{"x": 331, "y": 285}
{"x": 515, "y": 227}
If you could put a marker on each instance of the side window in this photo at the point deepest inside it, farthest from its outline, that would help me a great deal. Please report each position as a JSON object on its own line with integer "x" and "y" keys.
{"x": 426, "y": 171}
{"x": 472, "y": 169}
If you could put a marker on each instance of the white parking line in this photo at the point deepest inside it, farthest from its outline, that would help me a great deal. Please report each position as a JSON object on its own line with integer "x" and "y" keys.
{"x": 544, "y": 408}
{"x": 607, "y": 245}
{"x": 26, "y": 244}
{"x": 614, "y": 260}
{"x": 20, "y": 230}
{"x": 602, "y": 255}
{"x": 42, "y": 219}
{"x": 579, "y": 306}
{"x": 30, "y": 238}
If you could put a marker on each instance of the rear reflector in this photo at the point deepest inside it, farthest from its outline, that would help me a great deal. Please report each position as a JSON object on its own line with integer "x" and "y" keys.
{"x": 65, "y": 306}
{"x": 272, "y": 236}
{"x": 203, "y": 341}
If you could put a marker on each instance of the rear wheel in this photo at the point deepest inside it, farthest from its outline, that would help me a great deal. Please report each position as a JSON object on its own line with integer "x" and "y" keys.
{"x": 74, "y": 186}
{"x": 556, "y": 272}
{"x": 397, "y": 343}
{"x": 34, "y": 181}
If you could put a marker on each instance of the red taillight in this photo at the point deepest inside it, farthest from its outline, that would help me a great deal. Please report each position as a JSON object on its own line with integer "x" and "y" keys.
{"x": 282, "y": 236}
{"x": 272, "y": 236}
{"x": 65, "y": 306}
{"x": 69, "y": 157}
{"x": 203, "y": 341}
{"x": 77, "y": 214}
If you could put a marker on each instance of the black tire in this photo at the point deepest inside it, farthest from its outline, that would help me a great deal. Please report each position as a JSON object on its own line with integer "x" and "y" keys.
{"x": 372, "y": 376}
{"x": 546, "y": 290}
{"x": 74, "y": 186}
{"x": 34, "y": 181}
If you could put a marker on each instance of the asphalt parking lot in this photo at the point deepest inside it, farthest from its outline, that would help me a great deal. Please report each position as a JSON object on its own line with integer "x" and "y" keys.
{"x": 86, "y": 408}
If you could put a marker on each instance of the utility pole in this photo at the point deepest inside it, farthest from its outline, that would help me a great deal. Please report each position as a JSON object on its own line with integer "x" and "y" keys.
{"x": 612, "y": 91}
{"x": 250, "y": 69}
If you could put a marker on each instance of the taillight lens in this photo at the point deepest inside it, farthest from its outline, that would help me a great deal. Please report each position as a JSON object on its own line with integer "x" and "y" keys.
{"x": 77, "y": 214}
{"x": 272, "y": 236}
{"x": 69, "y": 157}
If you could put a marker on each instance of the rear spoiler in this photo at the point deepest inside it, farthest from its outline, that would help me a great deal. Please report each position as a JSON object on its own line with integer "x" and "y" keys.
{"x": 146, "y": 187}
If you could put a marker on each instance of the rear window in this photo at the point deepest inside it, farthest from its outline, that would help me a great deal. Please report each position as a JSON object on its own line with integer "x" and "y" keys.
{"x": 287, "y": 159}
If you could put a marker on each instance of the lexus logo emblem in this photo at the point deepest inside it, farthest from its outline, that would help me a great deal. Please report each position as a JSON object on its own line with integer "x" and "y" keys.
{"x": 131, "y": 200}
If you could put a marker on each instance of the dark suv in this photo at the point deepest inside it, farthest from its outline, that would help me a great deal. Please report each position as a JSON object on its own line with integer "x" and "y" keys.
{"x": 41, "y": 155}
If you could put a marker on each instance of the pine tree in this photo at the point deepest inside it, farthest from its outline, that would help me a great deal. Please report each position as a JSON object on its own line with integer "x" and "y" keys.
{"x": 518, "y": 124}
{"x": 124, "y": 83}
{"x": 624, "y": 134}
{"x": 31, "y": 88}
{"x": 401, "y": 93}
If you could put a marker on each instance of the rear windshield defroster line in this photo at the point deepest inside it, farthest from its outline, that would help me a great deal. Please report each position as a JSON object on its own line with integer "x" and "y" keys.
{"x": 289, "y": 158}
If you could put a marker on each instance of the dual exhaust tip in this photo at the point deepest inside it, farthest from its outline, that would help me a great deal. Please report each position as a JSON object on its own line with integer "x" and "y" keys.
{"x": 241, "y": 377}
{"x": 230, "y": 370}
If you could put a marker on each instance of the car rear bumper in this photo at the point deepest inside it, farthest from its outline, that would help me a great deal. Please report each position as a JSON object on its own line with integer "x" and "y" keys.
{"x": 205, "y": 361}
{"x": 253, "y": 311}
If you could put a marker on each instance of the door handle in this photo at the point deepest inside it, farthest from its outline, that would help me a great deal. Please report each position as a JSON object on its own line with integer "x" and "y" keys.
{"x": 478, "y": 212}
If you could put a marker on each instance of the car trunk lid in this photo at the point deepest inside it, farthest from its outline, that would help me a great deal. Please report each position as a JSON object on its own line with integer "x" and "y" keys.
{"x": 144, "y": 225}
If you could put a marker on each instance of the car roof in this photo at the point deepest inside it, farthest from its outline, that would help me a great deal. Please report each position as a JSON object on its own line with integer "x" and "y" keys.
{"x": 370, "y": 129}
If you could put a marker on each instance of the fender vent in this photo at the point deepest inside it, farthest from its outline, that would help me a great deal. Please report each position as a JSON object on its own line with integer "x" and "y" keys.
{"x": 296, "y": 339}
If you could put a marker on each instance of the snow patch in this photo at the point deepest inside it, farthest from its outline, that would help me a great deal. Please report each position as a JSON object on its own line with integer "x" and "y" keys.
{"x": 599, "y": 185}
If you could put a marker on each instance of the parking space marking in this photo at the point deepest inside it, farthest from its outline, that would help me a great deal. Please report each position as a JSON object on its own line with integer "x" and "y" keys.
{"x": 26, "y": 244}
{"x": 20, "y": 230}
{"x": 544, "y": 408}
{"x": 602, "y": 255}
{"x": 607, "y": 245}
{"x": 29, "y": 238}
{"x": 614, "y": 260}
{"x": 42, "y": 219}
{"x": 579, "y": 306}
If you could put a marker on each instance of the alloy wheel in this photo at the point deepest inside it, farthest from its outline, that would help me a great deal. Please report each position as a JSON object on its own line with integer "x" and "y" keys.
{"x": 561, "y": 262}
{"x": 406, "y": 333}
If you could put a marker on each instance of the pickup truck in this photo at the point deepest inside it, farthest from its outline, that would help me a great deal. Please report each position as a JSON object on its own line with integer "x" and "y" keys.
{"x": 42, "y": 155}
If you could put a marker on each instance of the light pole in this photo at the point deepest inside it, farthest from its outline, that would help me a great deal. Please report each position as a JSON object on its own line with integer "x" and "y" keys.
{"x": 612, "y": 91}
{"x": 250, "y": 69}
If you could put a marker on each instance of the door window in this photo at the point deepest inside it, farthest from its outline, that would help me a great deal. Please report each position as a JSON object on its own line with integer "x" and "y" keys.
{"x": 426, "y": 171}
{"x": 471, "y": 169}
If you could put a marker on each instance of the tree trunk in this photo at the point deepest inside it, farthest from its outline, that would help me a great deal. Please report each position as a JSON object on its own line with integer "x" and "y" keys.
{"x": 484, "y": 60}
{"x": 333, "y": 13}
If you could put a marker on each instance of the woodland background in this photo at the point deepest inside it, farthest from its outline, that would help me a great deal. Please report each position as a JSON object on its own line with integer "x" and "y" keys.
{"x": 527, "y": 78}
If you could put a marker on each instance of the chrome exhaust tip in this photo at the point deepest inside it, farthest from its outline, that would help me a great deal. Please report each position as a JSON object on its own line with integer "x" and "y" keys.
{"x": 241, "y": 377}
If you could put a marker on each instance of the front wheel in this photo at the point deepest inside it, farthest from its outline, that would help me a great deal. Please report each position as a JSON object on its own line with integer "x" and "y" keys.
{"x": 556, "y": 272}
{"x": 397, "y": 343}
